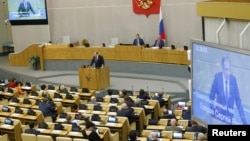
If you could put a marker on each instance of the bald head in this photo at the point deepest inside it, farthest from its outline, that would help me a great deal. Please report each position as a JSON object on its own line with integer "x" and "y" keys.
{"x": 124, "y": 106}
{"x": 173, "y": 122}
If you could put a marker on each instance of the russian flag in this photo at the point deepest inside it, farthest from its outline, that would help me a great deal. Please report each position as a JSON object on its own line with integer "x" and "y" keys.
{"x": 161, "y": 27}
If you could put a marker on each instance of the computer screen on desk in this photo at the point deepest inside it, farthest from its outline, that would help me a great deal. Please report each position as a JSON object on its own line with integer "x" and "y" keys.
{"x": 112, "y": 119}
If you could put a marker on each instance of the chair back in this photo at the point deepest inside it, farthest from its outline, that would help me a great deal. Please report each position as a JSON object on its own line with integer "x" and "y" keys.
{"x": 63, "y": 139}
{"x": 44, "y": 138}
{"x": 76, "y": 139}
{"x": 28, "y": 137}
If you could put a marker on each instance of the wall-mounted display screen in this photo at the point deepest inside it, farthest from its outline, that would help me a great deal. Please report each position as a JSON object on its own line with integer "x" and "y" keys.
{"x": 27, "y": 12}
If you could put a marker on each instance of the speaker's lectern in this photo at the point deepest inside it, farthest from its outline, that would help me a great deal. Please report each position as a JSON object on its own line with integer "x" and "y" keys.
{"x": 94, "y": 79}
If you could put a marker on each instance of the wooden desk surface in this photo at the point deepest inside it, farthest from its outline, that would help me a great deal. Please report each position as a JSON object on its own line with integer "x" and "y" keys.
{"x": 156, "y": 127}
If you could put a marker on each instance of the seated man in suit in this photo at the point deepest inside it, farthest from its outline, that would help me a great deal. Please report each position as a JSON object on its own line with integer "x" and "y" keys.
{"x": 143, "y": 95}
{"x": 31, "y": 129}
{"x": 138, "y": 41}
{"x": 47, "y": 109}
{"x": 173, "y": 126}
{"x": 196, "y": 128}
{"x": 159, "y": 97}
{"x": 127, "y": 112}
{"x": 159, "y": 42}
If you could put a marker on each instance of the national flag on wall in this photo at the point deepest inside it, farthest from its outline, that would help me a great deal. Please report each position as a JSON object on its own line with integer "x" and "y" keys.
{"x": 161, "y": 26}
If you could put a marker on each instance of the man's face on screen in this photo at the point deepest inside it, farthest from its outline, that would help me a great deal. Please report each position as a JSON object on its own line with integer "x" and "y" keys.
{"x": 226, "y": 69}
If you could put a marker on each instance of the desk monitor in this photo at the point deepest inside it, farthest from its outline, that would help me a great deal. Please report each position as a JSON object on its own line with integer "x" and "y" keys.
{"x": 170, "y": 112}
{"x": 181, "y": 104}
{"x": 177, "y": 135}
{"x": 5, "y": 109}
{"x": 8, "y": 121}
{"x": 112, "y": 119}
{"x": 152, "y": 133}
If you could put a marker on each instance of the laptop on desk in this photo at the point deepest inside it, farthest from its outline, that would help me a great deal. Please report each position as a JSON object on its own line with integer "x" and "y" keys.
{"x": 112, "y": 119}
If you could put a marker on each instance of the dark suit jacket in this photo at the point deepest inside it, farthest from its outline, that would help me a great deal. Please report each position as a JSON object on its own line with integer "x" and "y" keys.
{"x": 217, "y": 94}
{"x": 141, "y": 42}
{"x": 197, "y": 128}
{"x": 129, "y": 113}
{"x": 32, "y": 131}
{"x": 93, "y": 136}
{"x": 160, "y": 44}
{"x": 47, "y": 109}
{"x": 25, "y": 10}
{"x": 161, "y": 101}
{"x": 99, "y": 62}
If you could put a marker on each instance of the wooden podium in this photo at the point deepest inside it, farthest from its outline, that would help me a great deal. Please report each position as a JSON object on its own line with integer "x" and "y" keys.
{"x": 94, "y": 79}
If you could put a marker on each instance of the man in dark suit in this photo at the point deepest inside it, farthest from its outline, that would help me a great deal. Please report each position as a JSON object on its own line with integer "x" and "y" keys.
{"x": 159, "y": 42}
{"x": 138, "y": 41}
{"x": 47, "y": 109}
{"x": 196, "y": 128}
{"x": 127, "y": 112}
{"x": 24, "y": 8}
{"x": 98, "y": 60}
{"x": 159, "y": 97}
{"x": 31, "y": 129}
{"x": 224, "y": 93}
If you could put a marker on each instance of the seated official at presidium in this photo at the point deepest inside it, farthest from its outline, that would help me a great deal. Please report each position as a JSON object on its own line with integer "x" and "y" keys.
{"x": 98, "y": 60}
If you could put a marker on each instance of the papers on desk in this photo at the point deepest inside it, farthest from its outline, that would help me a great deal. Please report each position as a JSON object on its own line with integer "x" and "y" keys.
{"x": 26, "y": 88}
{"x": 96, "y": 112}
{"x": 56, "y": 131}
{"x": 13, "y": 103}
{"x": 61, "y": 120}
{"x": 40, "y": 129}
{"x": 6, "y": 126}
{"x": 111, "y": 124}
{"x": 52, "y": 91}
{"x": 2, "y": 84}
{"x": 145, "y": 106}
{"x": 155, "y": 47}
{"x": 74, "y": 133}
{"x": 15, "y": 114}
{"x": 82, "y": 111}
{"x": 57, "y": 99}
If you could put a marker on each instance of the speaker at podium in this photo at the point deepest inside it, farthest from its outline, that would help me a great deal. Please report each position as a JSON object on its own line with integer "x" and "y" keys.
{"x": 94, "y": 79}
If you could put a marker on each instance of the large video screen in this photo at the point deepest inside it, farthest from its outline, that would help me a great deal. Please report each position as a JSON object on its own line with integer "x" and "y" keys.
{"x": 27, "y": 12}
{"x": 220, "y": 84}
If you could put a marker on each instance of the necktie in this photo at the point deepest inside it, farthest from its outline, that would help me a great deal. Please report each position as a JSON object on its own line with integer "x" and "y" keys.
{"x": 25, "y": 5}
{"x": 96, "y": 58}
{"x": 157, "y": 44}
{"x": 138, "y": 42}
{"x": 226, "y": 91}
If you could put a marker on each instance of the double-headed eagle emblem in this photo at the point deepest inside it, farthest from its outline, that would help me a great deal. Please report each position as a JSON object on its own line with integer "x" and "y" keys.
{"x": 144, "y": 4}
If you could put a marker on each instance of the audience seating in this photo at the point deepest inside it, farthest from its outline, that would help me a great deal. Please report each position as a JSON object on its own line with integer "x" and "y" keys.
{"x": 63, "y": 139}
{"x": 4, "y": 137}
{"x": 44, "y": 138}
{"x": 28, "y": 137}
{"x": 76, "y": 139}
